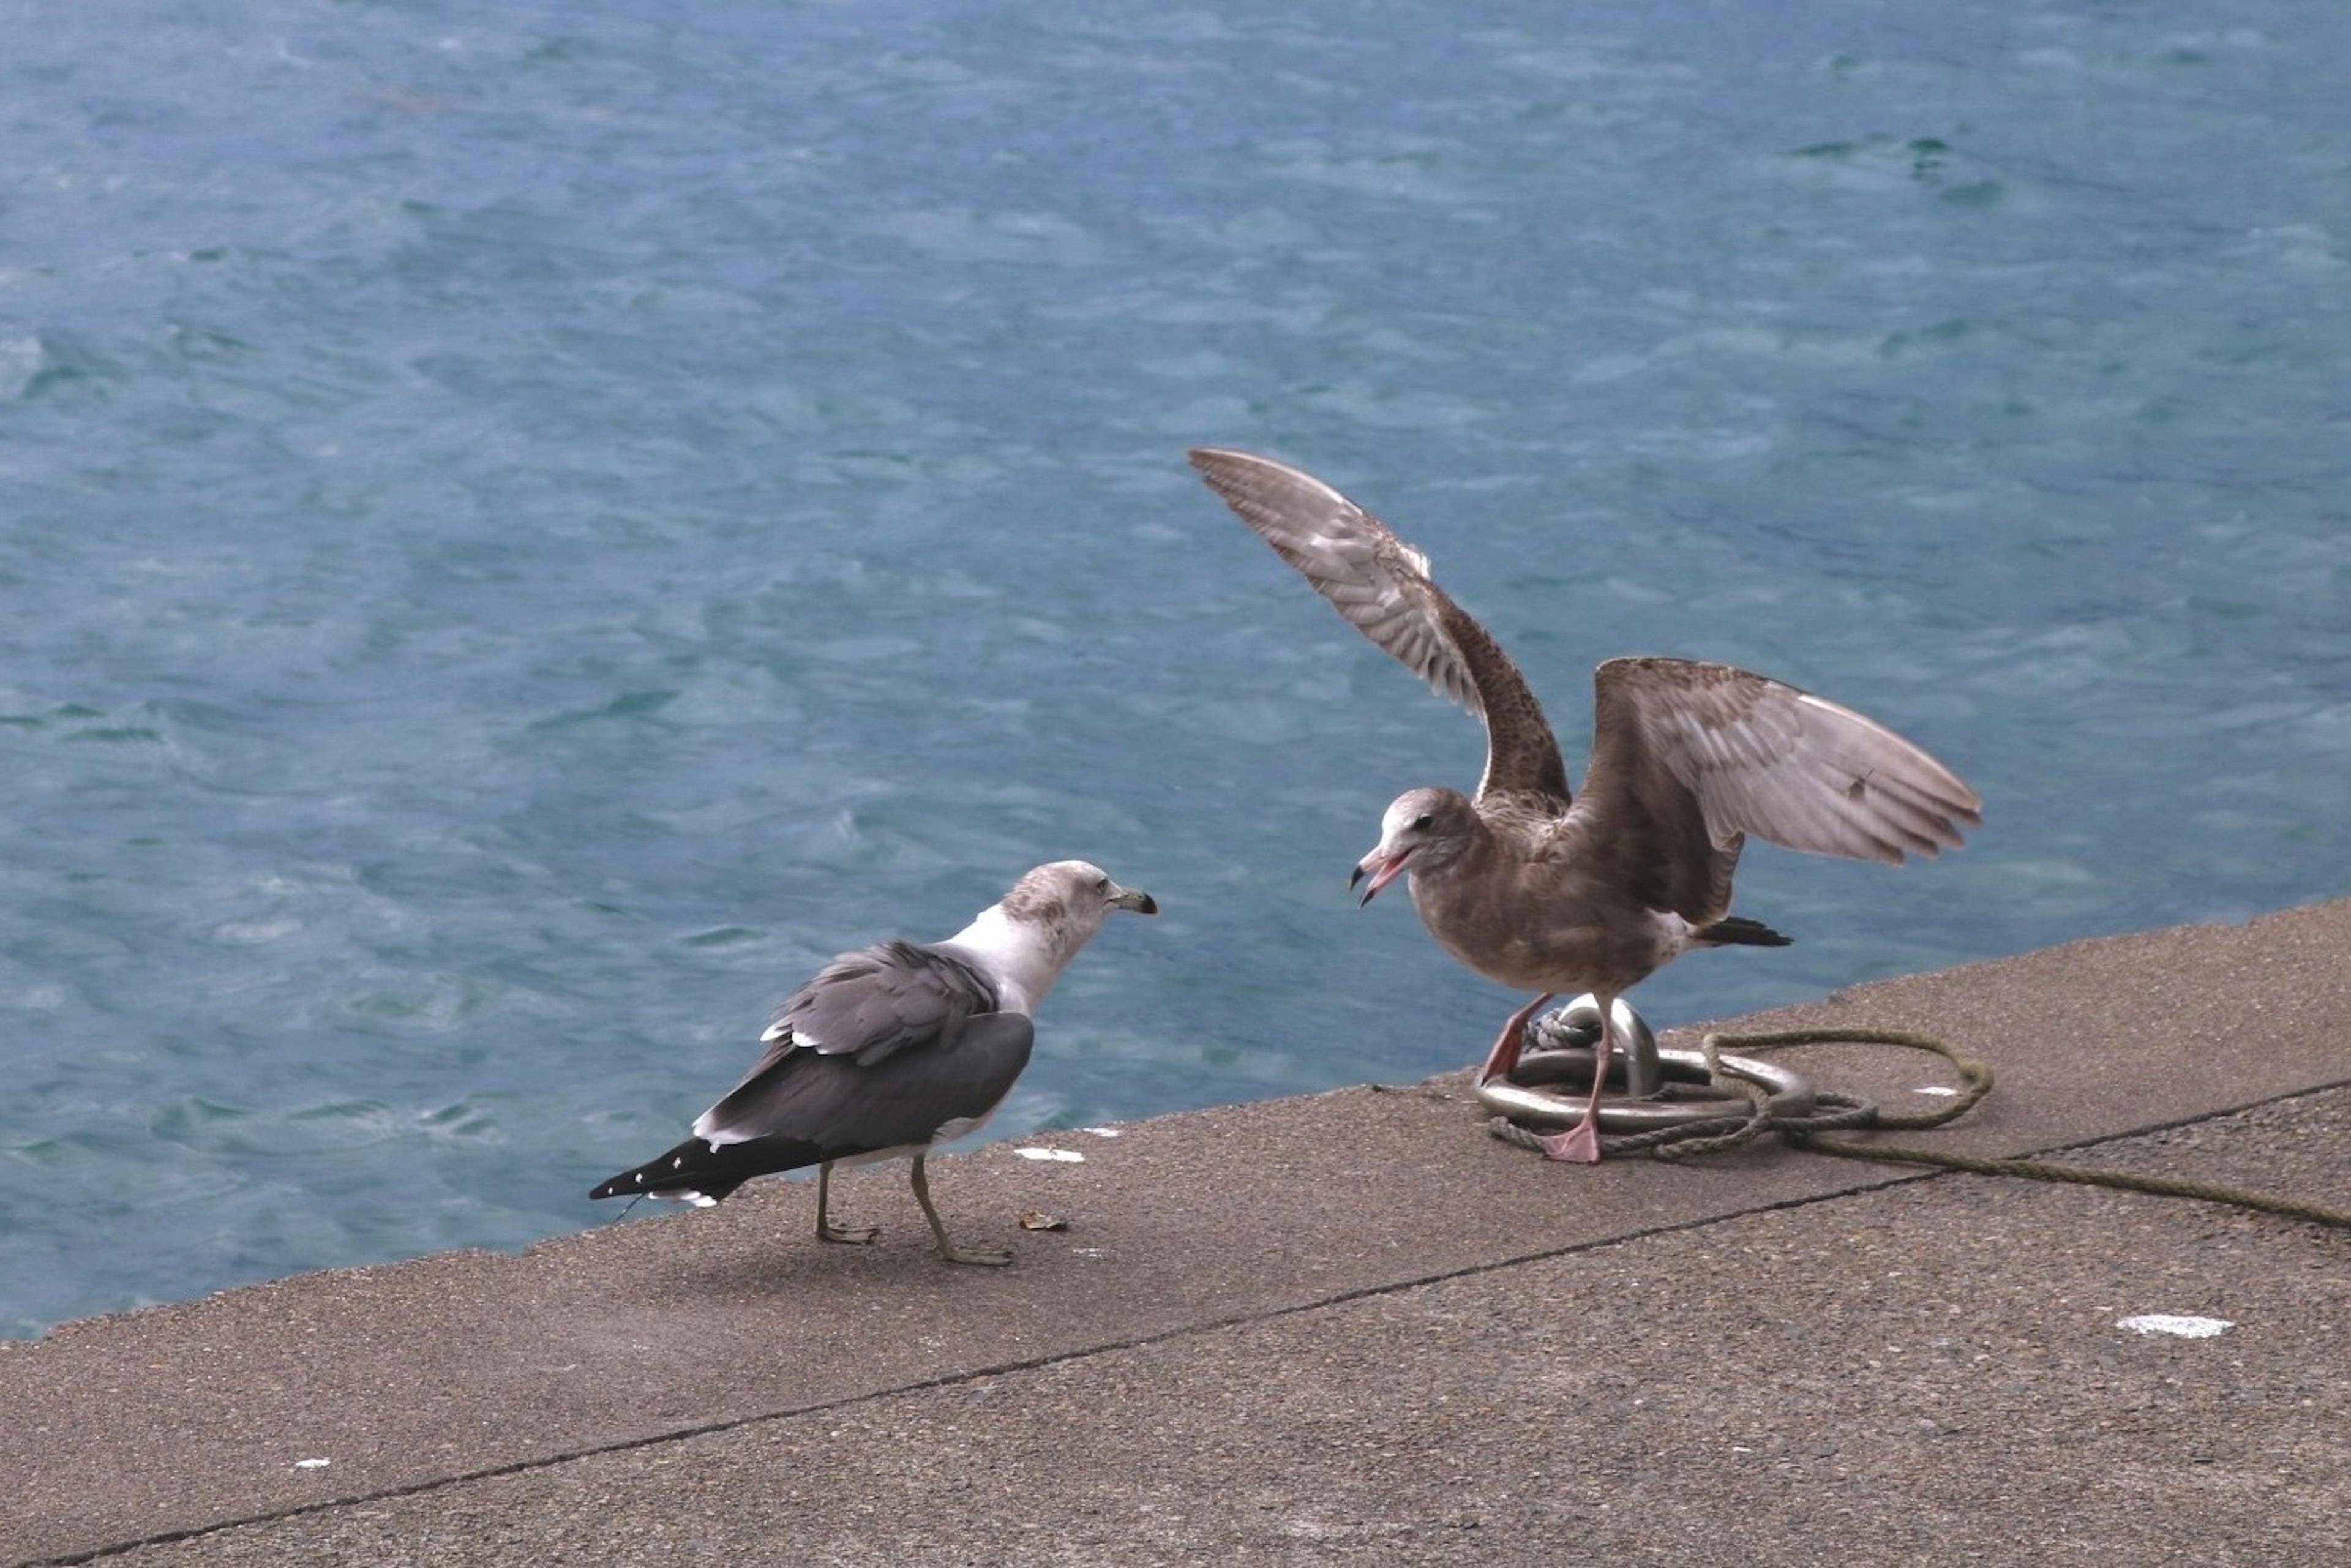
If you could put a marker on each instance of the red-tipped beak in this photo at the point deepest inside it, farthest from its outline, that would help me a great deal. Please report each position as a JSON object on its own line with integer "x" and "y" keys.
{"x": 1382, "y": 869}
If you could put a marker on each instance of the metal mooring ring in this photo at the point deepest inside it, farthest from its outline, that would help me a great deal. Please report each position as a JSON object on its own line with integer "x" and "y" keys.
{"x": 1523, "y": 1099}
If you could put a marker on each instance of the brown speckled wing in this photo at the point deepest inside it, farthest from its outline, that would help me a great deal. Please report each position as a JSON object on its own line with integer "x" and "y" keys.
{"x": 1687, "y": 759}
{"x": 1382, "y": 586}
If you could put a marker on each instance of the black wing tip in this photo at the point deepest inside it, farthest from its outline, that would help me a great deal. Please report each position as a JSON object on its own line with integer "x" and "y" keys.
{"x": 697, "y": 1192}
{"x": 1740, "y": 932}
{"x": 637, "y": 1183}
{"x": 702, "y": 1172}
{"x": 694, "y": 1170}
{"x": 628, "y": 1184}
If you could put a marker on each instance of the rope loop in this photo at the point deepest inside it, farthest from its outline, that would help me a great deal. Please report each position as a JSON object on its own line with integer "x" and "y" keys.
{"x": 1833, "y": 1113}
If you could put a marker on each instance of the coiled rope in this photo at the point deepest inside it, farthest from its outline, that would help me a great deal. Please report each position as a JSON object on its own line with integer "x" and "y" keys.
{"x": 1844, "y": 1112}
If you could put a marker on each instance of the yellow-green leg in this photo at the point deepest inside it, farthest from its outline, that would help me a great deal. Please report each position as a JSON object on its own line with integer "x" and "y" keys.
{"x": 826, "y": 1231}
{"x": 948, "y": 1250}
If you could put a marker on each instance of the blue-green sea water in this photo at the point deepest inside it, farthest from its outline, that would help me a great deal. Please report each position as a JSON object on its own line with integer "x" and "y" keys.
{"x": 525, "y": 527}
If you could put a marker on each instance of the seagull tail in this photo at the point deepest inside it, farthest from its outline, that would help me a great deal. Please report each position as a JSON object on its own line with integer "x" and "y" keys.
{"x": 701, "y": 1172}
{"x": 1738, "y": 932}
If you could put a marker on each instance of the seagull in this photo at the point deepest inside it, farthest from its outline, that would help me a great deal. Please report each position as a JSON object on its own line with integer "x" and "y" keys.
{"x": 893, "y": 1049}
{"x": 1545, "y": 891}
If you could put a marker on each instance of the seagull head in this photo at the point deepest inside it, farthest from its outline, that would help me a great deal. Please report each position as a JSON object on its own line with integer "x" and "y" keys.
{"x": 1024, "y": 940}
{"x": 1422, "y": 831}
{"x": 1074, "y": 897}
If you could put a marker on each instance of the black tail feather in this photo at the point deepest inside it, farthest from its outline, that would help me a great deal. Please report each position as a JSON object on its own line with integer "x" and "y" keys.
{"x": 701, "y": 1170}
{"x": 1738, "y": 932}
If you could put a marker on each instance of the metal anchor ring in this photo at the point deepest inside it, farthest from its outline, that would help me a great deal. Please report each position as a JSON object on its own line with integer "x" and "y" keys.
{"x": 1648, "y": 1072}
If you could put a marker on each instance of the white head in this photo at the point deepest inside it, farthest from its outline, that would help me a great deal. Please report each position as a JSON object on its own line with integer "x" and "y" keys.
{"x": 1422, "y": 831}
{"x": 1025, "y": 939}
{"x": 1074, "y": 896}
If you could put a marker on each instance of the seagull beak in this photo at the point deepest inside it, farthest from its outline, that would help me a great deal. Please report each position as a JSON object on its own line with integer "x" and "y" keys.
{"x": 1132, "y": 898}
{"x": 1381, "y": 867}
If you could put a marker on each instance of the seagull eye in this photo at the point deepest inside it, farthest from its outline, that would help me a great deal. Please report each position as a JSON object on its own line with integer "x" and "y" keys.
{"x": 1103, "y": 887}
{"x": 1423, "y": 822}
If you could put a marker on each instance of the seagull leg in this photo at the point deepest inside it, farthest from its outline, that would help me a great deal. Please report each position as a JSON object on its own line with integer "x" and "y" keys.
{"x": 989, "y": 1256}
{"x": 1503, "y": 1060}
{"x": 1580, "y": 1144}
{"x": 826, "y": 1231}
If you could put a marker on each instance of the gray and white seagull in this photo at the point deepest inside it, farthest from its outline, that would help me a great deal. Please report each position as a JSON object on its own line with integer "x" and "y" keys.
{"x": 1545, "y": 891}
{"x": 892, "y": 1049}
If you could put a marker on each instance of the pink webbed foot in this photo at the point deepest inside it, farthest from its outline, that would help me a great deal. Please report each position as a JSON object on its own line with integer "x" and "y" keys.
{"x": 1580, "y": 1144}
{"x": 1503, "y": 1060}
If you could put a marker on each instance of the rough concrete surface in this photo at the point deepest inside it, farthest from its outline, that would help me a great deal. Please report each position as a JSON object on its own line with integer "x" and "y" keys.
{"x": 1347, "y": 1325}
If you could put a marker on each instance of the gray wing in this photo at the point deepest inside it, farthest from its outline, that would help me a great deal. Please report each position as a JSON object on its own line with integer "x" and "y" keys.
{"x": 1687, "y": 759}
{"x": 865, "y": 1008}
{"x": 881, "y": 999}
{"x": 1381, "y": 584}
{"x": 815, "y": 1106}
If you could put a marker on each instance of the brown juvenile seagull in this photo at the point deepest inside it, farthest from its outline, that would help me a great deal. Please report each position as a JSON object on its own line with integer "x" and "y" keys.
{"x": 1546, "y": 891}
{"x": 892, "y": 1049}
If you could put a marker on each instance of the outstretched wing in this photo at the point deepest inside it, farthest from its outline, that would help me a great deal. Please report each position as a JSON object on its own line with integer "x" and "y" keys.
{"x": 1688, "y": 759}
{"x": 1381, "y": 584}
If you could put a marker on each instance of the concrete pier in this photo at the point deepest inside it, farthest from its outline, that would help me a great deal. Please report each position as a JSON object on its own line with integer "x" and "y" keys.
{"x": 1351, "y": 1326}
